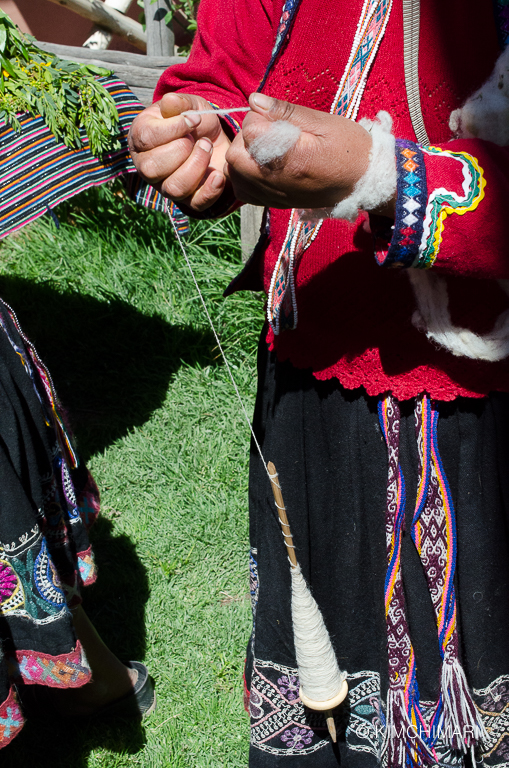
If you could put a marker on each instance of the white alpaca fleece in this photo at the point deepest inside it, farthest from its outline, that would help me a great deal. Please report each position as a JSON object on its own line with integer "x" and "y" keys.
{"x": 485, "y": 115}
{"x": 379, "y": 183}
{"x": 433, "y": 318}
{"x": 275, "y": 142}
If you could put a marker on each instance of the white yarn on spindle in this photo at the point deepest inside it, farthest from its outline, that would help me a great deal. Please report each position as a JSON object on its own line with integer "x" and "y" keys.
{"x": 319, "y": 674}
{"x": 275, "y": 142}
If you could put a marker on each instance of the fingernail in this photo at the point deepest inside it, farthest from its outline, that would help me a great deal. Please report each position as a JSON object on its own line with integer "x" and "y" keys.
{"x": 263, "y": 101}
{"x": 217, "y": 181}
{"x": 204, "y": 144}
{"x": 192, "y": 119}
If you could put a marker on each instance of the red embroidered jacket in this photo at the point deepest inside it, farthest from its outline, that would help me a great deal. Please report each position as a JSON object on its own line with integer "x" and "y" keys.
{"x": 354, "y": 313}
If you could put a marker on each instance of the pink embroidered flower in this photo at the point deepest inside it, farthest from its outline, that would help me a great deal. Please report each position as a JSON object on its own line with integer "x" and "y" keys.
{"x": 8, "y": 581}
{"x": 255, "y": 704}
{"x": 297, "y": 738}
{"x": 289, "y": 687}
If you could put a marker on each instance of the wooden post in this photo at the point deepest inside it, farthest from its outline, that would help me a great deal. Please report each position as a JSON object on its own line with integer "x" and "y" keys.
{"x": 101, "y": 38}
{"x": 160, "y": 37}
{"x": 250, "y": 223}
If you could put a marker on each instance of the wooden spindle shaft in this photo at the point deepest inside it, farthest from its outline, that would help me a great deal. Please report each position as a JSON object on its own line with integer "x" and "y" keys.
{"x": 331, "y": 725}
{"x": 287, "y": 535}
{"x": 283, "y": 519}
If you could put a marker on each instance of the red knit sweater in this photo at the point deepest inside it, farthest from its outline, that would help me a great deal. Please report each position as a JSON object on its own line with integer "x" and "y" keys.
{"x": 354, "y": 316}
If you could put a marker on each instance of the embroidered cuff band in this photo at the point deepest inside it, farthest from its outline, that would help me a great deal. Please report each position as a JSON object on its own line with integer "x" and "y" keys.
{"x": 410, "y": 207}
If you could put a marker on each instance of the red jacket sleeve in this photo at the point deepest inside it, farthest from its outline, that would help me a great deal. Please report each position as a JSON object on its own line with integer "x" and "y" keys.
{"x": 230, "y": 51}
{"x": 451, "y": 209}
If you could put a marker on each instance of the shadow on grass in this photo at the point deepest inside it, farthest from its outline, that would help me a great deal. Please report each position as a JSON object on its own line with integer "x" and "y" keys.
{"x": 111, "y": 366}
{"x": 68, "y": 744}
{"x": 110, "y": 363}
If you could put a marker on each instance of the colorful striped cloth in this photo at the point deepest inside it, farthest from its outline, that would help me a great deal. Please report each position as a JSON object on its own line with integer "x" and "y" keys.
{"x": 37, "y": 172}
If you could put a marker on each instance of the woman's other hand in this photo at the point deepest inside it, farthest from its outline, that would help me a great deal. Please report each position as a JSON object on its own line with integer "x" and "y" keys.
{"x": 330, "y": 156}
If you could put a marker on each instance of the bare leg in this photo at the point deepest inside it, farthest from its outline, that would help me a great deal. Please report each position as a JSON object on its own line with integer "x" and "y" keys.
{"x": 111, "y": 680}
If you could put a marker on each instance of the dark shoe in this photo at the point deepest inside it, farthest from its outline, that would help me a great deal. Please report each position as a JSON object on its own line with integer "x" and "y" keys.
{"x": 140, "y": 703}
{"x": 40, "y": 702}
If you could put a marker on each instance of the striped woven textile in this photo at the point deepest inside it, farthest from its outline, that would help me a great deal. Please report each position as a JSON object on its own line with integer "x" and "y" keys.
{"x": 37, "y": 172}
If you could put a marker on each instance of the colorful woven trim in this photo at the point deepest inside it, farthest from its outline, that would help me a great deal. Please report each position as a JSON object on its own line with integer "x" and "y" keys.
{"x": 434, "y": 535}
{"x": 406, "y": 733}
{"x": 410, "y": 207}
{"x": 147, "y": 196}
{"x": 68, "y": 670}
{"x": 281, "y": 305}
{"x": 442, "y": 202}
{"x": 288, "y": 13}
{"x": 455, "y": 720}
{"x": 63, "y": 434}
{"x": 234, "y": 124}
{"x": 369, "y": 34}
{"x": 11, "y": 719}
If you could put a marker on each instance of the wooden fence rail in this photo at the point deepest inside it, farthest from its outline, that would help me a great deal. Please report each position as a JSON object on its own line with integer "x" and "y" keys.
{"x": 109, "y": 18}
{"x": 141, "y": 73}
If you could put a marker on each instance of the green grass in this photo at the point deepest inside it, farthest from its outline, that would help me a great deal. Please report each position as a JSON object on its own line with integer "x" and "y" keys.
{"x": 110, "y": 305}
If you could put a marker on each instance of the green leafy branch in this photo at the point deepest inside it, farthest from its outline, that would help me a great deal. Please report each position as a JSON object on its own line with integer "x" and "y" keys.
{"x": 66, "y": 95}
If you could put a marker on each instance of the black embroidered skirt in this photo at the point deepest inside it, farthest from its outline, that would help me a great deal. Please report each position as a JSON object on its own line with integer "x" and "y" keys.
{"x": 330, "y": 453}
{"x": 47, "y": 502}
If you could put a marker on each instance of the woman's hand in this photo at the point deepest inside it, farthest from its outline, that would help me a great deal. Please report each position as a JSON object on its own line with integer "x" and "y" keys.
{"x": 331, "y": 155}
{"x": 182, "y": 156}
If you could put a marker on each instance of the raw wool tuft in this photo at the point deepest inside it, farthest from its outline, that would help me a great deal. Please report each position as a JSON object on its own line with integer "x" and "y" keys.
{"x": 485, "y": 115}
{"x": 378, "y": 185}
{"x": 275, "y": 142}
{"x": 319, "y": 674}
{"x": 433, "y": 318}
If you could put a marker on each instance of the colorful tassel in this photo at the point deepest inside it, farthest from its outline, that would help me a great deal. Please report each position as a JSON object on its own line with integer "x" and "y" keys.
{"x": 456, "y": 719}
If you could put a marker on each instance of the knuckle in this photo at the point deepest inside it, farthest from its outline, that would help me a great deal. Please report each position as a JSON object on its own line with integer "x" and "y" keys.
{"x": 285, "y": 110}
{"x": 174, "y": 188}
{"x": 143, "y": 138}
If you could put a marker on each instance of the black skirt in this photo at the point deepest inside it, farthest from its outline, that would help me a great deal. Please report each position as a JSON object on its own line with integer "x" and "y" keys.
{"x": 329, "y": 451}
{"x": 47, "y": 503}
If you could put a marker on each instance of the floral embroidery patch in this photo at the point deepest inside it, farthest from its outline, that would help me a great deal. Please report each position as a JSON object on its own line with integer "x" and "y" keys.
{"x": 281, "y": 725}
{"x": 493, "y": 704}
{"x": 69, "y": 670}
{"x": 11, "y": 719}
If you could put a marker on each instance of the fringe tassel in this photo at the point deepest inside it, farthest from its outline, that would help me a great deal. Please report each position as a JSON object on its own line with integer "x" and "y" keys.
{"x": 460, "y": 722}
{"x": 403, "y": 739}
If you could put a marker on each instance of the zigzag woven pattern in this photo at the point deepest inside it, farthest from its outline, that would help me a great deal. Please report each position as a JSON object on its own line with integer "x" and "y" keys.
{"x": 455, "y": 720}
{"x": 404, "y": 718}
{"x": 37, "y": 172}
